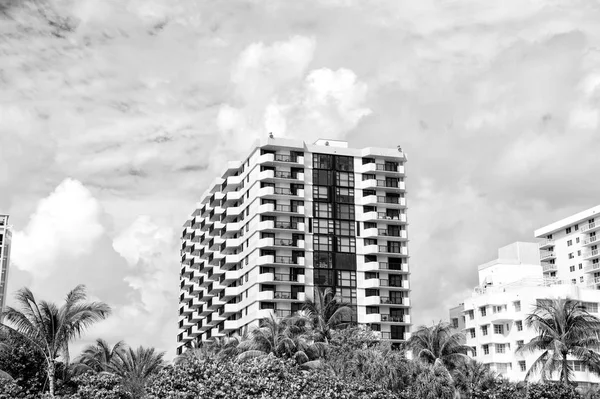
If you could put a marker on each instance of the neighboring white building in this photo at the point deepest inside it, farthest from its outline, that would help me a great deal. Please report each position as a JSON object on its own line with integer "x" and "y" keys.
{"x": 569, "y": 249}
{"x": 5, "y": 242}
{"x": 563, "y": 264}
{"x": 288, "y": 218}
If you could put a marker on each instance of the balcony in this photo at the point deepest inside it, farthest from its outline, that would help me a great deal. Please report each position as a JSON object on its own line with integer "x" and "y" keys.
{"x": 386, "y": 300}
{"x": 231, "y": 325}
{"x": 381, "y": 167}
{"x": 386, "y": 335}
{"x": 373, "y": 300}
{"x": 589, "y": 227}
{"x": 371, "y": 318}
{"x": 386, "y": 249}
{"x": 591, "y": 240}
{"x": 386, "y": 318}
{"x": 386, "y": 283}
{"x": 400, "y": 218}
{"x": 384, "y": 266}
{"x": 370, "y": 283}
{"x": 592, "y": 268}
{"x": 547, "y": 255}
{"x": 390, "y": 185}
{"x": 589, "y": 255}
{"x": 549, "y": 267}
{"x": 545, "y": 244}
{"x": 593, "y": 282}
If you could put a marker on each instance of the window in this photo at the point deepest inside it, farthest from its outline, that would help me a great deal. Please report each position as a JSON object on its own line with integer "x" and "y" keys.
{"x": 322, "y": 243}
{"x": 486, "y": 349}
{"x": 474, "y": 351}
{"x": 591, "y": 307}
{"x": 346, "y": 244}
{"x": 370, "y": 241}
{"x": 323, "y": 260}
{"x": 580, "y": 266}
{"x": 472, "y": 332}
{"x": 322, "y": 177}
{"x": 520, "y": 344}
{"x": 370, "y": 275}
{"x": 344, "y": 179}
{"x": 579, "y": 252}
{"x": 500, "y": 348}
{"x": 368, "y": 176}
{"x": 519, "y": 324}
{"x": 323, "y": 277}
{"x": 471, "y": 314}
{"x": 322, "y": 161}
{"x": 321, "y": 193}
{"x": 483, "y": 311}
{"x": 571, "y": 255}
{"x": 372, "y": 309}
{"x": 370, "y": 225}
{"x": 568, "y": 230}
{"x": 455, "y": 322}
{"x": 573, "y": 281}
{"x": 346, "y": 278}
{"x": 576, "y": 227}
{"x": 498, "y": 329}
{"x": 484, "y": 330}
{"x": 577, "y": 240}
{"x": 517, "y": 306}
{"x": 344, "y": 211}
{"x": 344, "y": 163}
{"x": 522, "y": 366}
{"x": 571, "y": 268}
{"x": 344, "y": 195}
{"x": 569, "y": 243}
{"x": 371, "y": 292}
{"x": 581, "y": 279}
{"x": 323, "y": 226}
{"x": 322, "y": 210}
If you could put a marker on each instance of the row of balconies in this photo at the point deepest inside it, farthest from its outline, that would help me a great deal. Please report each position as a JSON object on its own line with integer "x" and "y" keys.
{"x": 590, "y": 227}
{"x": 382, "y": 266}
{"x": 385, "y": 318}
{"x": 377, "y": 300}
{"x": 387, "y": 233}
{"x": 376, "y": 167}
{"x": 284, "y": 176}
{"x": 391, "y": 202}
{"x": 373, "y": 184}
{"x": 281, "y": 159}
{"x": 385, "y": 250}
{"x": 382, "y": 282}
{"x": 376, "y": 216}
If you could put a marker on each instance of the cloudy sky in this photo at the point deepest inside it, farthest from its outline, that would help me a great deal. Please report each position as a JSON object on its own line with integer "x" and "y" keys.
{"x": 115, "y": 114}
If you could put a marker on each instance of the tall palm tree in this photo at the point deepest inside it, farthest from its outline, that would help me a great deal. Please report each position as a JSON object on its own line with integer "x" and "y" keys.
{"x": 98, "y": 357}
{"x": 439, "y": 345}
{"x": 50, "y": 328}
{"x": 564, "y": 328}
{"x": 136, "y": 367}
{"x": 325, "y": 313}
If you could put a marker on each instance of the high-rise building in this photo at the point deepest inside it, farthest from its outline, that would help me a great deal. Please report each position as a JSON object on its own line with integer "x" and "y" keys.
{"x": 291, "y": 218}
{"x": 569, "y": 249}
{"x": 564, "y": 264}
{"x": 5, "y": 240}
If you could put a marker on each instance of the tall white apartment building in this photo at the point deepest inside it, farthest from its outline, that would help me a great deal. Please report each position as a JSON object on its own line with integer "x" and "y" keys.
{"x": 569, "y": 249}
{"x": 290, "y": 218}
{"x": 5, "y": 241}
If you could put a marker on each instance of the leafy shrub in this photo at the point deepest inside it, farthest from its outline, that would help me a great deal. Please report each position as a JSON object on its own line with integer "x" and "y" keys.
{"x": 552, "y": 390}
{"x": 266, "y": 377}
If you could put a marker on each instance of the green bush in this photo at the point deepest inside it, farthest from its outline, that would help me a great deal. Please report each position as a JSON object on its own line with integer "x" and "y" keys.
{"x": 264, "y": 378}
{"x": 98, "y": 386}
{"x": 552, "y": 390}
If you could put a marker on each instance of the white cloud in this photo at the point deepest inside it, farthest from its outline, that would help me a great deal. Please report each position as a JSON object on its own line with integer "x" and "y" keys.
{"x": 65, "y": 224}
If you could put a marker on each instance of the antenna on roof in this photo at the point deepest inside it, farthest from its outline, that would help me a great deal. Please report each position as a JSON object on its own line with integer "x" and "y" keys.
{"x": 327, "y": 143}
{"x": 399, "y": 149}
{"x": 270, "y": 135}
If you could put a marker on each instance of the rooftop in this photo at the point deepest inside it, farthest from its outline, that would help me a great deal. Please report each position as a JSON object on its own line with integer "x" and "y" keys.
{"x": 568, "y": 221}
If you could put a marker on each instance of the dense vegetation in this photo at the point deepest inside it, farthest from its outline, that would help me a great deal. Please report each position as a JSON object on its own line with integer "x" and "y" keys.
{"x": 312, "y": 354}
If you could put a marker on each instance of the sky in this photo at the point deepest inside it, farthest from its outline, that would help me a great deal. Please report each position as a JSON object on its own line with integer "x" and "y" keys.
{"x": 116, "y": 114}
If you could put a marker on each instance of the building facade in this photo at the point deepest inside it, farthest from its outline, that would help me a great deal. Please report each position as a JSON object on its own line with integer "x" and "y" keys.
{"x": 5, "y": 242}
{"x": 289, "y": 219}
{"x": 569, "y": 249}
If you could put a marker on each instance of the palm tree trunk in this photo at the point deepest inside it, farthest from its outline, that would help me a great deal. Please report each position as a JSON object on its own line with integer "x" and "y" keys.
{"x": 51, "y": 370}
{"x": 565, "y": 374}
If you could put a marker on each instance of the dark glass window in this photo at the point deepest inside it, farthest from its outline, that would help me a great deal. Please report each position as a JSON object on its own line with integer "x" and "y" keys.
{"x": 345, "y": 261}
{"x": 368, "y": 160}
{"x": 344, "y": 211}
{"x": 322, "y": 177}
{"x": 323, "y": 260}
{"x": 344, "y": 163}
{"x": 371, "y": 292}
{"x": 344, "y": 195}
{"x": 346, "y": 244}
{"x": 267, "y": 305}
{"x": 323, "y": 277}
{"x": 395, "y": 280}
{"x": 370, "y": 225}
{"x": 366, "y": 193}
{"x": 322, "y": 161}
{"x": 372, "y": 309}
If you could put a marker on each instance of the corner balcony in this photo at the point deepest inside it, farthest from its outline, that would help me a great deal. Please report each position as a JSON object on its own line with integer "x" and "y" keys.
{"x": 231, "y": 229}
{"x": 281, "y": 159}
{"x": 232, "y": 291}
{"x": 376, "y": 167}
{"x": 549, "y": 267}
{"x": 545, "y": 244}
{"x": 370, "y": 318}
{"x": 369, "y": 283}
{"x": 231, "y": 325}
{"x": 281, "y": 278}
{"x": 591, "y": 240}
{"x": 547, "y": 255}
{"x": 231, "y": 214}
{"x": 399, "y": 218}
{"x": 592, "y": 268}
{"x": 383, "y": 266}
{"x": 373, "y": 300}
{"x": 231, "y": 308}
{"x": 279, "y": 260}
{"x": 590, "y": 227}
{"x": 589, "y": 255}
{"x": 232, "y": 183}
{"x": 274, "y": 226}
{"x": 593, "y": 282}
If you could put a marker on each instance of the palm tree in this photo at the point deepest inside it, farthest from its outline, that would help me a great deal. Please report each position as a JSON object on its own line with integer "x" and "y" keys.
{"x": 325, "y": 313}
{"x": 98, "y": 357}
{"x": 564, "y": 328}
{"x": 136, "y": 367}
{"x": 472, "y": 376}
{"x": 50, "y": 328}
{"x": 439, "y": 345}
{"x": 287, "y": 337}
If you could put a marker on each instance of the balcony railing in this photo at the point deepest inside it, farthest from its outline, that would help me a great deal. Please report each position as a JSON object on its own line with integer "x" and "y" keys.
{"x": 284, "y": 175}
{"x": 283, "y": 191}
{"x": 588, "y": 226}
{"x": 286, "y": 225}
{"x": 387, "y": 183}
{"x": 394, "y": 250}
{"x": 284, "y": 242}
{"x": 387, "y": 283}
{"x": 285, "y": 260}
{"x": 283, "y": 313}
{"x": 283, "y": 295}
{"x": 386, "y": 167}
{"x": 388, "y": 200}
{"x": 390, "y": 266}
{"x": 394, "y": 319}
{"x": 285, "y": 158}
{"x": 283, "y": 277}
{"x": 386, "y": 300}
{"x": 390, "y": 233}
